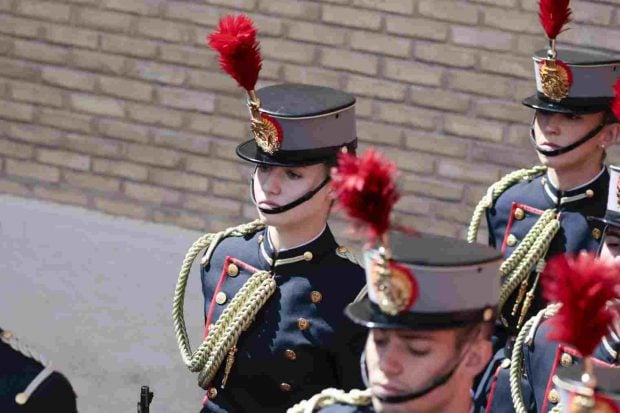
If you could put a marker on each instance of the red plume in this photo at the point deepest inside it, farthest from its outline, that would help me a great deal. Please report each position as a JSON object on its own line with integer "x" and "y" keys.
{"x": 235, "y": 41}
{"x": 554, "y": 14}
{"x": 615, "y": 106}
{"x": 583, "y": 284}
{"x": 366, "y": 190}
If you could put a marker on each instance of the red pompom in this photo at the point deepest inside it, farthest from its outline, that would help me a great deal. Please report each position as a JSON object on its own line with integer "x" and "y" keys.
{"x": 583, "y": 284}
{"x": 554, "y": 14}
{"x": 235, "y": 41}
{"x": 366, "y": 190}
{"x": 615, "y": 106}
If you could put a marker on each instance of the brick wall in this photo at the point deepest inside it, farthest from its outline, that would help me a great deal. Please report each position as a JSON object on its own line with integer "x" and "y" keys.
{"x": 118, "y": 105}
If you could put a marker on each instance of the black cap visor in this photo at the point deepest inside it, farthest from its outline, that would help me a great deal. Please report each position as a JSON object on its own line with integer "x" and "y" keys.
{"x": 568, "y": 105}
{"x": 368, "y": 314}
{"x": 251, "y": 152}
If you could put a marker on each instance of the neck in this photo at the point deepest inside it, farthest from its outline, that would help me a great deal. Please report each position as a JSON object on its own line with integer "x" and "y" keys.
{"x": 461, "y": 401}
{"x": 569, "y": 178}
{"x": 284, "y": 238}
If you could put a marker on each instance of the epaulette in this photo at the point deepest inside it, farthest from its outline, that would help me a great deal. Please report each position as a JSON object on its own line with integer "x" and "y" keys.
{"x": 344, "y": 252}
{"x": 9, "y": 339}
{"x": 331, "y": 396}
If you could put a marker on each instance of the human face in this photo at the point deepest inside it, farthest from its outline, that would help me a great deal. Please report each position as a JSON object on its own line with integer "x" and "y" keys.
{"x": 405, "y": 361}
{"x": 611, "y": 244}
{"x": 276, "y": 186}
{"x": 557, "y": 130}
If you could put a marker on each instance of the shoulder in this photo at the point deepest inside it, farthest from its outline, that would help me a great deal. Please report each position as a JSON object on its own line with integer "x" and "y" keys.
{"x": 27, "y": 379}
{"x": 528, "y": 187}
{"x": 335, "y": 400}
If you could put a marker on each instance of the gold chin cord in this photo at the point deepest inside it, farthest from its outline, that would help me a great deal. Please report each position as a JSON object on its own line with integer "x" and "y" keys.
{"x": 236, "y": 318}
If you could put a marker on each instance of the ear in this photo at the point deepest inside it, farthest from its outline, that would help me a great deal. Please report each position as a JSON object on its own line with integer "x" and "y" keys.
{"x": 478, "y": 356}
{"x": 611, "y": 134}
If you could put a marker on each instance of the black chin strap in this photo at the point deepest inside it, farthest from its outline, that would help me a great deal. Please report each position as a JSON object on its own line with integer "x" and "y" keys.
{"x": 560, "y": 151}
{"x": 291, "y": 205}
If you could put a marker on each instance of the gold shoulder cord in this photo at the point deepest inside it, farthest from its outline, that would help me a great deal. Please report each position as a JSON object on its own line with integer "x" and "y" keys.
{"x": 530, "y": 253}
{"x": 238, "y": 315}
{"x": 517, "y": 359}
{"x": 332, "y": 396}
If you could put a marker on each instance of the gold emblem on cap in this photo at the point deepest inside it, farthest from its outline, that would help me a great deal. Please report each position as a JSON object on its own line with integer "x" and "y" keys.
{"x": 221, "y": 298}
{"x": 267, "y": 136}
{"x": 394, "y": 284}
{"x": 555, "y": 79}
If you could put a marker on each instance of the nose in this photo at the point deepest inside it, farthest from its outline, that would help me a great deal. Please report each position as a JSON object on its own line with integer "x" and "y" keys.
{"x": 390, "y": 362}
{"x": 270, "y": 182}
{"x": 551, "y": 124}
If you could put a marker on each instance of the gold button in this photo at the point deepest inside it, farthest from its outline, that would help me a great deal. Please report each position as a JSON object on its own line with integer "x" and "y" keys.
{"x": 566, "y": 359}
{"x": 519, "y": 213}
{"x": 596, "y": 233}
{"x": 303, "y": 324}
{"x": 505, "y": 363}
{"x": 316, "y": 297}
{"x": 589, "y": 193}
{"x": 7, "y": 335}
{"x": 21, "y": 398}
{"x": 221, "y": 298}
{"x": 290, "y": 354}
{"x": 511, "y": 241}
{"x": 553, "y": 396}
{"x": 285, "y": 387}
{"x": 342, "y": 249}
{"x": 232, "y": 270}
{"x": 308, "y": 256}
{"x": 212, "y": 393}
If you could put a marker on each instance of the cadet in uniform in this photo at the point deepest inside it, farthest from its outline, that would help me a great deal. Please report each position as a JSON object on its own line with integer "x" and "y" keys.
{"x": 430, "y": 309}
{"x": 540, "y": 357}
{"x": 28, "y": 383}
{"x": 275, "y": 289}
{"x": 533, "y": 214}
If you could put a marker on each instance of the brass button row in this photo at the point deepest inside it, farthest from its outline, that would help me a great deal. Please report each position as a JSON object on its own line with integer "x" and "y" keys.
{"x": 511, "y": 241}
{"x": 553, "y": 397}
{"x": 303, "y": 324}
{"x": 566, "y": 359}
{"x": 232, "y": 270}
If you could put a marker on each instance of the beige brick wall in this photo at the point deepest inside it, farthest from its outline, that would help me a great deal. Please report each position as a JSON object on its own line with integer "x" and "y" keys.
{"x": 118, "y": 105}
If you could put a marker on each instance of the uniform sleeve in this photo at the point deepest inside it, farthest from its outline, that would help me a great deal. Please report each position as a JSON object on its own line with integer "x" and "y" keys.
{"x": 350, "y": 342}
{"x": 55, "y": 394}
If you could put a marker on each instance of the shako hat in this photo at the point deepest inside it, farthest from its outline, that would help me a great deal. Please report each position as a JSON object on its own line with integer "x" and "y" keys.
{"x": 292, "y": 124}
{"x": 570, "y": 80}
{"x": 414, "y": 281}
{"x": 575, "y": 396}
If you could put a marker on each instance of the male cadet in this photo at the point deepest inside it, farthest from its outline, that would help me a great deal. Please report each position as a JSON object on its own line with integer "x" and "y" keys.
{"x": 430, "y": 309}
{"x": 28, "y": 383}
{"x": 538, "y": 359}
{"x": 275, "y": 289}
{"x": 535, "y": 213}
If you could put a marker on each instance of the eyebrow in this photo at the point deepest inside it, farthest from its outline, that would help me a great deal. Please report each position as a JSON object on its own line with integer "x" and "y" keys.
{"x": 413, "y": 334}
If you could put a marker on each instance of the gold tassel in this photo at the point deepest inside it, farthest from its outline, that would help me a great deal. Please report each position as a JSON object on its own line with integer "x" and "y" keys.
{"x": 230, "y": 359}
{"x": 520, "y": 295}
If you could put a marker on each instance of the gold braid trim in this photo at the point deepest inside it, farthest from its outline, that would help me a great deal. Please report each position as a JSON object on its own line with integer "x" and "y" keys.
{"x": 494, "y": 192}
{"x": 539, "y": 237}
{"x": 517, "y": 359}
{"x": 332, "y": 396}
{"x": 237, "y": 316}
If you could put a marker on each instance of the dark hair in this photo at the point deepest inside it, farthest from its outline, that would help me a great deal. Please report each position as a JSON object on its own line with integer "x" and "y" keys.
{"x": 471, "y": 331}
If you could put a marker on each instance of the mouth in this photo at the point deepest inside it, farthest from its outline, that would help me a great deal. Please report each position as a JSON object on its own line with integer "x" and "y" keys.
{"x": 268, "y": 204}
{"x": 387, "y": 390}
{"x": 549, "y": 145}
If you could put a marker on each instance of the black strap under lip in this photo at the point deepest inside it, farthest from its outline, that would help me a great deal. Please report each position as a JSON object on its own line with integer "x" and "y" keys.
{"x": 560, "y": 151}
{"x": 439, "y": 381}
{"x": 291, "y": 205}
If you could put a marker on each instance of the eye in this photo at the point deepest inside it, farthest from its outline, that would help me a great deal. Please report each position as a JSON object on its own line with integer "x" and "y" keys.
{"x": 418, "y": 352}
{"x": 292, "y": 174}
{"x": 543, "y": 113}
{"x": 264, "y": 168}
{"x": 572, "y": 116}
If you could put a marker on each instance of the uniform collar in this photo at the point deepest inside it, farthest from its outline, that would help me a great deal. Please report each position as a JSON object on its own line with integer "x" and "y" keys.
{"x": 587, "y": 190}
{"x": 309, "y": 251}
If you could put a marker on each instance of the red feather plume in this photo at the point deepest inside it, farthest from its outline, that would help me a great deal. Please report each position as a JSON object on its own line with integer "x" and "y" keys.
{"x": 235, "y": 41}
{"x": 366, "y": 190}
{"x": 615, "y": 106}
{"x": 583, "y": 284}
{"x": 554, "y": 14}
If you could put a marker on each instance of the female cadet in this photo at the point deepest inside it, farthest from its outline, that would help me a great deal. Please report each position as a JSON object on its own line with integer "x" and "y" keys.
{"x": 275, "y": 289}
